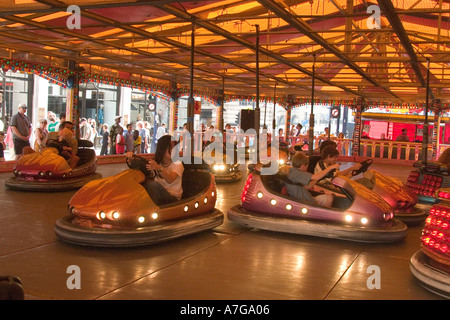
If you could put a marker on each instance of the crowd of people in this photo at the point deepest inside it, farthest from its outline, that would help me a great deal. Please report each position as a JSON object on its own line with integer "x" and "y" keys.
{"x": 114, "y": 139}
{"x": 135, "y": 137}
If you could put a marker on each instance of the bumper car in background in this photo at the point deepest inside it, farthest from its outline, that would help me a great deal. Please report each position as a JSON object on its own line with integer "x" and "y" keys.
{"x": 361, "y": 215}
{"x": 399, "y": 196}
{"x": 118, "y": 212}
{"x": 431, "y": 264}
{"x": 47, "y": 171}
{"x": 226, "y": 172}
{"x": 425, "y": 179}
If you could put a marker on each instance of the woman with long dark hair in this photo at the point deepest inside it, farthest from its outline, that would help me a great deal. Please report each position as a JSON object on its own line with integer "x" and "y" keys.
{"x": 166, "y": 187}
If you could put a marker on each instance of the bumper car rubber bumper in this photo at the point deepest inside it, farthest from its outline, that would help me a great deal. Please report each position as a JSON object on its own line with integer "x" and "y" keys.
{"x": 132, "y": 237}
{"x": 412, "y": 218}
{"x": 48, "y": 186}
{"x": 397, "y": 232}
{"x": 430, "y": 277}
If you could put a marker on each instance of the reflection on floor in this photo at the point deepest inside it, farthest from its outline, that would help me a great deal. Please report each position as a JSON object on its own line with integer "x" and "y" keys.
{"x": 231, "y": 262}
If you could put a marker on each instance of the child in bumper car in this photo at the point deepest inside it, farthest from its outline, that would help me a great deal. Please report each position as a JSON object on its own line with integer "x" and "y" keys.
{"x": 63, "y": 147}
{"x": 299, "y": 175}
{"x": 329, "y": 158}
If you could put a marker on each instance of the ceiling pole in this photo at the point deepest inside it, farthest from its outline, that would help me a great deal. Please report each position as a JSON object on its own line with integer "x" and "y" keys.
{"x": 311, "y": 116}
{"x": 265, "y": 112}
{"x": 222, "y": 106}
{"x": 257, "y": 110}
{"x": 190, "y": 104}
{"x": 274, "y": 107}
{"x": 257, "y": 66}
{"x": 425, "y": 125}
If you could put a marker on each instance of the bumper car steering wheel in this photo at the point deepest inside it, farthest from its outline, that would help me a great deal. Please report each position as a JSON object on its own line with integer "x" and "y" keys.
{"x": 364, "y": 166}
{"x": 139, "y": 163}
{"x": 329, "y": 175}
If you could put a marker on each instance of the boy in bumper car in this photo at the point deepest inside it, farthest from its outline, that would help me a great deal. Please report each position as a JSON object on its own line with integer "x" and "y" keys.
{"x": 329, "y": 158}
{"x": 304, "y": 180}
{"x": 61, "y": 146}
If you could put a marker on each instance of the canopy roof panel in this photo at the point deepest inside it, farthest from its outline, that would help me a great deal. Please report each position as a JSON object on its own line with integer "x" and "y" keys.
{"x": 152, "y": 40}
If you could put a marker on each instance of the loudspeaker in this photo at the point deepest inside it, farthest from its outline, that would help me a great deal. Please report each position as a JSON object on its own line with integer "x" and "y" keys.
{"x": 250, "y": 119}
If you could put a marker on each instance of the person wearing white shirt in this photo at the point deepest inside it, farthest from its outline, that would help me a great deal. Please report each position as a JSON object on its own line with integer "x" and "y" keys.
{"x": 161, "y": 131}
{"x": 167, "y": 186}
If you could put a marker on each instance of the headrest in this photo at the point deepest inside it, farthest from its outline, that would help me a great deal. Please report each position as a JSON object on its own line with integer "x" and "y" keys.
{"x": 85, "y": 144}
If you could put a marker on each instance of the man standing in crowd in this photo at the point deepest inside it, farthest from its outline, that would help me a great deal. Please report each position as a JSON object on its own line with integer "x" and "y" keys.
{"x": 62, "y": 118}
{"x": 21, "y": 130}
{"x": 403, "y": 137}
{"x": 113, "y": 134}
{"x": 52, "y": 121}
{"x": 100, "y": 114}
{"x": 161, "y": 131}
{"x": 299, "y": 129}
{"x": 85, "y": 130}
{"x": 128, "y": 138}
{"x": 143, "y": 135}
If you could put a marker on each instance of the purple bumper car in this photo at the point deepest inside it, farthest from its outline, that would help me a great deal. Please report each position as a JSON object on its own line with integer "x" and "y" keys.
{"x": 361, "y": 215}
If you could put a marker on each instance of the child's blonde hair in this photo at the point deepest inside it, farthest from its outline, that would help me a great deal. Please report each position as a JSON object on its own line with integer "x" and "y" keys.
{"x": 299, "y": 159}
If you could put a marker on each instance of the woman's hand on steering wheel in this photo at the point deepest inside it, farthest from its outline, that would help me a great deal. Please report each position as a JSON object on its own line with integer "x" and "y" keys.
{"x": 140, "y": 163}
{"x": 153, "y": 165}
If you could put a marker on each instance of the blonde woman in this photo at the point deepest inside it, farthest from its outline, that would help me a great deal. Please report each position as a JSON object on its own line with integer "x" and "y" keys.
{"x": 39, "y": 134}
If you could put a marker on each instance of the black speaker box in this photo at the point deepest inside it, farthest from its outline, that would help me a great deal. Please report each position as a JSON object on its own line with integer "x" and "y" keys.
{"x": 250, "y": 119}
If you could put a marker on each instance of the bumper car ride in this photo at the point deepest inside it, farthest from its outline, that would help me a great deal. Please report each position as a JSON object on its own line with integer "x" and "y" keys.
{"x": 47, "y": 171}
{"x": 401, "y": 198}
{"x": 118, "y": 212}
{"x": 226, "y": 172}
{"x": 360, "y": 216}
{"x": 431, "y": 264}
{"x": 228, "y": 169}
{"x": 426, "y": 179}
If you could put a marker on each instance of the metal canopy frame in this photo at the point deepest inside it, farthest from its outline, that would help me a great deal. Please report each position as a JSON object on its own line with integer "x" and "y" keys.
{"x": 150, "y": 41}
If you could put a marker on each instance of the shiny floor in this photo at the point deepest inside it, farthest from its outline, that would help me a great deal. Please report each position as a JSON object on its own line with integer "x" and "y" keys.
{"x": 229, "y": 262}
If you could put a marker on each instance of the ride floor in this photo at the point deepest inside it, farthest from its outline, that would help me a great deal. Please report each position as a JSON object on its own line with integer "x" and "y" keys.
{"x": 229, "y": 262}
